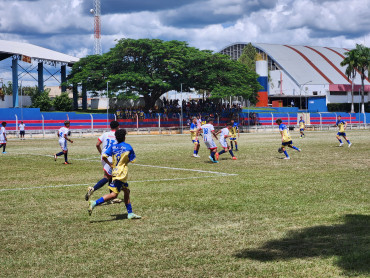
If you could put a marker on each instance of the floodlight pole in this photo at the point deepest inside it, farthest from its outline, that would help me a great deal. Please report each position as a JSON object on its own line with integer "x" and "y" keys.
{"x": 107, "y": 103}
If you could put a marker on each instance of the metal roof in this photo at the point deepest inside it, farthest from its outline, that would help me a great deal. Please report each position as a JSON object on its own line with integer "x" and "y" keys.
{"x": 41, "y": 54}
{"x": 319, "y": 65}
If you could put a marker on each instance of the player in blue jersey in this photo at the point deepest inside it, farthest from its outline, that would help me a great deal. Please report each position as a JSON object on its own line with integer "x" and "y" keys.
{"x": 122, "y": 154}
{"x": 193, "y": 133}
{"x": 286, "y": 140}
{"x": 63, "y": 138}
{"x": 302, "y": 126}
{"x": 342, "y": 125}
{"x": 106, "y": 140}
{"x": 233, "y": 130}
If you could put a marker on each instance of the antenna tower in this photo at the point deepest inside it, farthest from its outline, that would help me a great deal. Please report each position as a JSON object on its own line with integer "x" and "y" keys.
{"x": 97, "y": 28}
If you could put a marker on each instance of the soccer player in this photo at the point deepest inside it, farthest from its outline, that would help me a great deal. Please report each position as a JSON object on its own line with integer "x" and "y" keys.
{"x": 224, "y": 135}
{"x": 63, "y": 138}
{"x": 208, "y": 131}
{"x": 193, "y": 133}
{"x": 302, "y": 126}
{"x": 342, "y": 125}
{"x": 3, "y": 137}
{"x": 121, "y": 153}
{"x": 106, "y": 140}
{"x": 233, "y": 130}
{"x": 286, "y": 140}
{"x": 22, "y": 130}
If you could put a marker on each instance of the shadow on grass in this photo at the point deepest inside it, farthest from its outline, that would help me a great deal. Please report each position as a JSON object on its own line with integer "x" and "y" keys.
{"x": 349, "y": 241}
{"x": 116, "y": 217}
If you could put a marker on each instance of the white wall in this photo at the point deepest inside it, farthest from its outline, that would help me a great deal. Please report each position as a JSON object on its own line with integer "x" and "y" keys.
{"x": 8, "y": 101}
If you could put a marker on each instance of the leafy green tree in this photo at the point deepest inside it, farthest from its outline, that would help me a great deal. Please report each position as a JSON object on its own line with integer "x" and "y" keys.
{"x": 153, "y": 67}
{"x": 63, "y": 102}
{"x": 349, "y": 61}
{"x": 42, "y": 101}
{"x": 248, "y": 57}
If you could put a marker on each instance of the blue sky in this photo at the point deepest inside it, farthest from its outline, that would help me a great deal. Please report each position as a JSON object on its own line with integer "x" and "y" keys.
{"x": 67, "y": 25}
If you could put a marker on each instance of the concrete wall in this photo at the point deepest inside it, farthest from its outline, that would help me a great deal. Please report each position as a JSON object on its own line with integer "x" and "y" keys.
{"x": 8, "y": 101}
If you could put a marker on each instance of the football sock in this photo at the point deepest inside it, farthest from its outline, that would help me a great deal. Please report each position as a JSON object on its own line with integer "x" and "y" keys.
{"x": 221, "y": 152}
{"x": 294, "y": 147}
{"x": 99, "y": 201}
{"x": 340, "y": 141}
{"x": 231, "y": 152}
{"x": 348, "y": 142}
{"x": 195, "y": 152}
{"x": 100, "y": 183}
{"x": 236, "y": 146}
{"x": 129, "y": 208}
{"x": 286, "y": 154}
{"x": 213, "y": 155}
{"x": 65, "y": 157}
{"x": 232, "y": 145}
{"x": 4, "y": 146}
{"x": 59, "y": 154}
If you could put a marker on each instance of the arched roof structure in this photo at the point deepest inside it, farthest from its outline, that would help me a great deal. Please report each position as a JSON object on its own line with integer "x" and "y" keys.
{"x": 319, "y": 65}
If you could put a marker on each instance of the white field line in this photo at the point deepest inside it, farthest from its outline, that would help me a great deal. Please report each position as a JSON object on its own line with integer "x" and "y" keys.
{"x": 143, "y": 165}
{"x": 86, "y": 184}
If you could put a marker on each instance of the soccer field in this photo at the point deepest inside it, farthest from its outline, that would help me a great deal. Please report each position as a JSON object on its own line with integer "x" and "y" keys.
{"x": 258, "y": 216}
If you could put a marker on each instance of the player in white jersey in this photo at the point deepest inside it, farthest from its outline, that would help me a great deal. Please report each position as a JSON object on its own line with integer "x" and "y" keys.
{"x": 63, "y": 134}
{"x": 3, "y": 138}
{"x": 208, "y": 130}
{"x": 106, "y": 140}
{"x": 22, "y": 130}
{"x": 224, "y": 134}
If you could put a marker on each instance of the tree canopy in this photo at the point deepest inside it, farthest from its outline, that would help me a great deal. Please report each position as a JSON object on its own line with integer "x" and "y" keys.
{"x": 249, "y": 57}
{"x": 152, "y": 67}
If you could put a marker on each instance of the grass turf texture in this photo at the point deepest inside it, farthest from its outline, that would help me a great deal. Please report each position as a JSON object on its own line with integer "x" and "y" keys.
{"x": 304, "y": 217}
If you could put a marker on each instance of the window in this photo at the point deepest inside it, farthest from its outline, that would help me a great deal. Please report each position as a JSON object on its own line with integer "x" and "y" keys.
{"x": 338, "y": 93}
{"x": 314, "y": 93}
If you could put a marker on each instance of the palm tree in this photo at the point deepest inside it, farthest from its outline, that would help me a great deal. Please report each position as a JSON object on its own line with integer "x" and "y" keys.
{"x": 359, "y": 60}
{"x": 350, "y": 72}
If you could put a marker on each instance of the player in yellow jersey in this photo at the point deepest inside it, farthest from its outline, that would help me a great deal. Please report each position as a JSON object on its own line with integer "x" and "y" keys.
{"x": 342, "y": 125}
{"x": 286, "y": 140}
{"x": 302, "y": 126}
{"x": 233, "y": 131}
{"x": 122, "y": 154}
{"x": 193, "y": 133}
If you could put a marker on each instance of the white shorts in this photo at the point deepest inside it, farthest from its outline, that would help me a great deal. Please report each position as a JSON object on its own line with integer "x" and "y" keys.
{"x": 107, "y": 169}
{"x": 63, "y": 145}
{"x": 223, "y": 143}
{"x": 210, "y": 144}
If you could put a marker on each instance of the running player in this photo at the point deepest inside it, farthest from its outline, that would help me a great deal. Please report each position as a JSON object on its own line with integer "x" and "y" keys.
{"x": 63, "y": 138}
{"x": 286, "y": 140}
{"x": 233, "y": 130}
{"x": 223, "y": 141}
{"x": 302, "y": 126}
{"x": 121, "y": 153}
{"x": 193, "y": 133}
{"x": 106, "y": 140}
{"x": 3, "y": 137}
{"x": 208, "y": 131}
{"x": 342, "y": 125}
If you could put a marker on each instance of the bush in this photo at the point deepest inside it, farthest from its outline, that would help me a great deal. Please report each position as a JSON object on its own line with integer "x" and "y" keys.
{"x": 42, "y": 101}
{"x": 63, "y": 102}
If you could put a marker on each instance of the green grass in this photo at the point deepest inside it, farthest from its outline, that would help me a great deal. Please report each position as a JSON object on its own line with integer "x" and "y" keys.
{"x": 305, "y": 217}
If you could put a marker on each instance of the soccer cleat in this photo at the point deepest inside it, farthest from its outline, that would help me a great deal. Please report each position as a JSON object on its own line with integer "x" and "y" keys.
{"x": 55, "y": 157}
{"x": 349, "y": 145}
{"x": 133, "y": 216}
{"x": 197, "y": 155}
{"x": 194, "y": 155}
{"x": 299, "y": 150}
{"x": 217, "y": 156}
{"x": 4, "y": 152}
{"x": 234, "y": 158}
{"x": 210, "y": 157}
{"x": 341, "y": 145}
{"x": 66, "y": 163}
{"x": 90, "y": 191}
{"x": 91, "y": 207}
{"x": 287, "y": 157}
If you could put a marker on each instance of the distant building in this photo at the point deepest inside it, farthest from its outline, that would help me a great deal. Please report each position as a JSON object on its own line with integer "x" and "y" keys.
{"x": 304, "y": 76}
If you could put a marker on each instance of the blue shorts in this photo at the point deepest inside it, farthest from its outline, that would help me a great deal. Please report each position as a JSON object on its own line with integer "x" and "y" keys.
{"x": 195, "y": 141}
{"x": 117, "y": 185}
{"x": 341, "y": 134}
{"x": 22, "y": 132}
{"x": 232, "y": 138}
{"x": 287, "y": 143}
{"x": 302, "y": 129}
